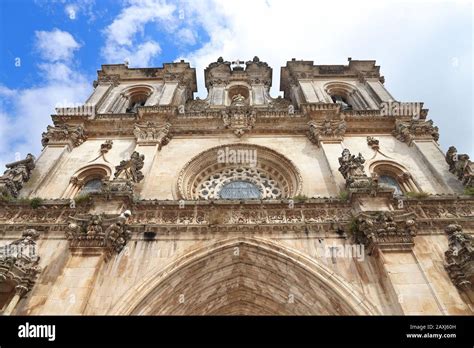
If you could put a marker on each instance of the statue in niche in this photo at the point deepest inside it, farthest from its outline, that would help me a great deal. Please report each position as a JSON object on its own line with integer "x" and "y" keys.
{"x": 238, "y": 100}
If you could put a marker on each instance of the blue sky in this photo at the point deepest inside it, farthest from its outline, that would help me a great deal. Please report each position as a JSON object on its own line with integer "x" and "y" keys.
{"x": 50, "y": 50}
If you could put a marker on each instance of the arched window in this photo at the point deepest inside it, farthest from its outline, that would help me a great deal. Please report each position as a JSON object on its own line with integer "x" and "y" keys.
{"x": 390, "y": 182}
{"x": 136, "y": 100}
{"x": 394, "y": 176}
{"x": 87, "y": 180}
{"x": 131, "y": 98}
{"x": 341, "y": 100}
{"x": 346, "y": 95}
{"x": 92, "y": 185}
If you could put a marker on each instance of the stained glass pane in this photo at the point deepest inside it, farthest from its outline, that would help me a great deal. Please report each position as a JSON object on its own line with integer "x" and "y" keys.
{"x": 390, "y": 182}
{"x": 93, "y": 185}
{"x": 240, "y": 190}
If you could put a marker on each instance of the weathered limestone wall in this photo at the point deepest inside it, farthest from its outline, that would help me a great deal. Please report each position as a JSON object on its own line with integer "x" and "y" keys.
{"x": 395, "y": 282}
{"x": 73, "y": 283}
{"x": 318, "y": 169}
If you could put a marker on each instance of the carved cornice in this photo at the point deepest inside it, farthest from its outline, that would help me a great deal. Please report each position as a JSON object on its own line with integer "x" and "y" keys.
{"x": 72, "y": 135}
{"x": 332, "y": 130}
{"x": 460, "y": 257}
{"x": 311, "y": 215}
{"x": 407, "y": 131}
{"x": 153, "y": 133}
{"x": 19, "y": 261}
{"x": 99, "y": 231}
{"x": 385, "y": 230}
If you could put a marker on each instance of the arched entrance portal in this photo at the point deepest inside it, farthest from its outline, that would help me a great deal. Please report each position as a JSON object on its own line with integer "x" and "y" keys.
{"x": 244, "y": 276}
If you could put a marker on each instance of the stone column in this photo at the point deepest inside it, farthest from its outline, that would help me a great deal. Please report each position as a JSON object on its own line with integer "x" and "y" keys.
{"x": 20, "y": 291}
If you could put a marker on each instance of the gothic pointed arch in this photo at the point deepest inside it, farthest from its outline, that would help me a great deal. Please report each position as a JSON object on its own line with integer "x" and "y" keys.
{"x": 245, "y": 276}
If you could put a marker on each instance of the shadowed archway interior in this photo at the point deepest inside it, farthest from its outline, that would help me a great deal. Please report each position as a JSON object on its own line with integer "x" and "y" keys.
{"x": 244, "y": 277}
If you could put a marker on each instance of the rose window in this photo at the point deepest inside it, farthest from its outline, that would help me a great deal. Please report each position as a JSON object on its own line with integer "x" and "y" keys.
{"x": 239, "y": 183}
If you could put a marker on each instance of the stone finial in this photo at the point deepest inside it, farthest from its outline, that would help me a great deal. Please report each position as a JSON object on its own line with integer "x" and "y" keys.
{"x": 131, "y": 169}
{"x": 459, "y": 258}
{"x": 16, "y": 175}
{"x": 19, "y": 261}
{"x": 64, "y": 134}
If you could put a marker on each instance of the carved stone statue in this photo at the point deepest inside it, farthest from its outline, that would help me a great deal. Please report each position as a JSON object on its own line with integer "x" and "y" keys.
{"x": 352, "y": 169}
{"x": 451, "y": 158}
{"x": 351, "y": 165}
{"x": 130, "y": 169}
{"x": 461, "y": 166}
{"x": 238, "y": 100}
{"x": 17, "y": 173}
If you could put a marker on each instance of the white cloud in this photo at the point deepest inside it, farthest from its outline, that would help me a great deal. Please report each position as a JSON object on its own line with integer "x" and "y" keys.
{"x": 121, "y": 40}
{"x": 56, "y": 45}
{"x": 186, "y": 36}
{"x": 25, "y": 113}
{"x": 414, "y": 50}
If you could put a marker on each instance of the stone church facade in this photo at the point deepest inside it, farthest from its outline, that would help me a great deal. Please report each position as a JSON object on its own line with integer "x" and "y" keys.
{"x": 333, "y": 199}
